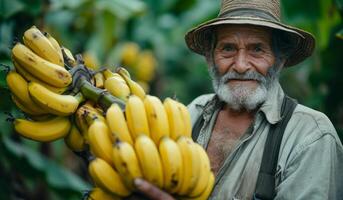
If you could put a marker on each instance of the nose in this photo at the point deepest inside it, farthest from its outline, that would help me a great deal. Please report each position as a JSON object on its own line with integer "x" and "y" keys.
{"x": 241, "y": 64}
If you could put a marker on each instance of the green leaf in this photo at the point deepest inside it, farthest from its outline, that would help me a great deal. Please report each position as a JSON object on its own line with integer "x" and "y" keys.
{"x": 122, "y": 9}
{"x": 199, "y": 13}
{"x": 55, "y": 175}
{"x": 70, "y": 4}
{"x": 339, "y": 4}
{"x": 135, "y": 6}
{"x": 298, "y": 12}
{"x": 6, "y": 35}
{"x": 34, "y": 7}
{"x": 3, "y": 74}
{"x": 10, "y": 7}
{"x": 340, "y": 34}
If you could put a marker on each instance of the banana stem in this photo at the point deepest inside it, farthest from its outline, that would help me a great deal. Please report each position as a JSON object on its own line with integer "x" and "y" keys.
{"x": 100, "y": 96}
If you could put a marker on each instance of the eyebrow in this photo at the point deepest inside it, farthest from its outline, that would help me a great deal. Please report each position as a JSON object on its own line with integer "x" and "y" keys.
{"x": 224, "y": 43}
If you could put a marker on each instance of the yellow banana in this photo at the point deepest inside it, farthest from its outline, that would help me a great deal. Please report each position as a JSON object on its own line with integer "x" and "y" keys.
{"x": 68, "y": 56}
{"x": 29, "y": 77}
{"x": 74, "y": 140}
{"x": 205, "y": 194}
{"x": 91, "y": 113}
{"x": 109, "y": 74}
{"x": 176, "y": 124}
{"x": 116, "y": 121}
{"x": 204, "y": 175}
{"x": 117, "y": 88}
{"x": 39, "y": 118}
{"x": 85, "y": 116}
{"x": 43, "y": 131}
{"x": 126, "y": 163}
{"x": 58, "y": 104}
{"x": 46, "y": 71}
{"x": 191, "y": 161}
{"x": 136, "y": 117}
{"x": 145, "y": 86}
{"x": 99, "y": 194}
{"x": 145, "y": 66}
{"x": 19, "y": 88}
{"x": 56, "y": 46}
{"x": 100, "y": 111}
{"x": 135, "y": 88}
{"x": 91, "y": 60}
{"x": 172, "y": 164}
{"x": 186, "y": 118}
{"x": 99, "y": 80}
{"x": 123, "y": 70}
{"x": 107, "y": 178}
{"x": 149, "y": 160}
{"x": 32, "y": 115}
{"x": 129, "y": 54}
{"x": 99, "y": 141}
{"x": 41, "y": 45}
{"x": 21, "y": 107}
{"x": 157, "y": 118}
{"x": 81, "y": 124}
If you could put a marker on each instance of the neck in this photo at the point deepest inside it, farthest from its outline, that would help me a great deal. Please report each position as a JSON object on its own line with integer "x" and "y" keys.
{"x": 239, "y": 115}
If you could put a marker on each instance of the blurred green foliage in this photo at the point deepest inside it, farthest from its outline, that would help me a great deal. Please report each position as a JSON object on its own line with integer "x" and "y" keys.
{"x": 102, "y": 27}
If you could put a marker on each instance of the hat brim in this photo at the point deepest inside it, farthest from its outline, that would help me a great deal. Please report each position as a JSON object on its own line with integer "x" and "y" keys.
{"x": 197, "y": 39}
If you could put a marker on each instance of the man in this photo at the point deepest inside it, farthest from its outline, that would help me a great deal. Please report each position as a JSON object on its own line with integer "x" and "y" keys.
{"x": 246, "y": 47}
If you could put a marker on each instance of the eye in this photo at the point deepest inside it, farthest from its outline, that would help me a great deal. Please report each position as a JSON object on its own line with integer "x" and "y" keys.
{"x": 228, "y": 47}
{"x": 257, "y": 48}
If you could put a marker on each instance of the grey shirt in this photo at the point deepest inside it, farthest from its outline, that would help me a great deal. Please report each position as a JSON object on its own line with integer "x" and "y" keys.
{"x": 310, "y": 163}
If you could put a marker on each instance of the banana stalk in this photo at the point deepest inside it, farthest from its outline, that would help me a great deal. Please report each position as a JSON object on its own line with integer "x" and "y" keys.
{"x": 101, "y": 97}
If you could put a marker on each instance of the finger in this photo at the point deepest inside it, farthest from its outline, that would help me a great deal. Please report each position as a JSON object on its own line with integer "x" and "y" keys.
{"x": 151, "y": 191}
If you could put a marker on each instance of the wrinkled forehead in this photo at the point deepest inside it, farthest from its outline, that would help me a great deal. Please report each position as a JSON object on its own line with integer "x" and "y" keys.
{"x": 246, "y": 32}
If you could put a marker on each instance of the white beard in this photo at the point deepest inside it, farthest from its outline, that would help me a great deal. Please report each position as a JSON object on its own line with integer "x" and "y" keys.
{"x": 240, "y": 96}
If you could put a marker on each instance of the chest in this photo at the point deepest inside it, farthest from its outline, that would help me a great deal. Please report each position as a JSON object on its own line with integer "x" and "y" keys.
{"x": 224, "y": 138}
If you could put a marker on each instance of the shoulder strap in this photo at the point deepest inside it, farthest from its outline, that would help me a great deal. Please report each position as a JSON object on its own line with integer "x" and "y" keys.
{"x": 197, "y": 127}
{"x": 200, "y": 121}
{"x": 265, "y": 187}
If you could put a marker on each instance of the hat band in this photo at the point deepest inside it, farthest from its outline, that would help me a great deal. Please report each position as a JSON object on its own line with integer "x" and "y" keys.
{"x": 249, "y": 13}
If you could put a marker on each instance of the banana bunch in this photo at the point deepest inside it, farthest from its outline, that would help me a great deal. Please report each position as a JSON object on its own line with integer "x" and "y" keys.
{"x": 147, "y": 138}
{"x": 150, "y": 139}
{"x": 38, "y": 85}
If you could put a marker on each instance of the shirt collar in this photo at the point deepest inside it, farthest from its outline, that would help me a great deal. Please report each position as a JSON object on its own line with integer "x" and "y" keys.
{"x": 271, "y": 107}
{"x": 210, "y": 107}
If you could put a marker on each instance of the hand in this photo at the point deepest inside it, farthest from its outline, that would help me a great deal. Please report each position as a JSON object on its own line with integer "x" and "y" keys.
{"x": 149, "y": 191}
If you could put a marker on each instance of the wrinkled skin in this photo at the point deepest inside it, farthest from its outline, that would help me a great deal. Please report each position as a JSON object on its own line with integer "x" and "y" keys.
{"x": 243, "y": 48}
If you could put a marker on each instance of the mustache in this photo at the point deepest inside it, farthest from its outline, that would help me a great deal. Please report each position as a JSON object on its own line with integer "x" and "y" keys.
{"x": 249, "y": 75}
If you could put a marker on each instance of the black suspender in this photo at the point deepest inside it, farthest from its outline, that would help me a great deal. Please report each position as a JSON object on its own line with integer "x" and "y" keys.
{"x": 197, "y": 127}
{"x": 265, "y": 186}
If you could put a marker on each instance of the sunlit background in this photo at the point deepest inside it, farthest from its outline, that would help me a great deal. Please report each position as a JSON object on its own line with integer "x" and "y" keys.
{"x": 146, "y": 37}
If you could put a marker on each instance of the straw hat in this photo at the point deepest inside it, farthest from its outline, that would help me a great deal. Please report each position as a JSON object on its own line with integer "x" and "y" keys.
{"x": 253, "y": 12}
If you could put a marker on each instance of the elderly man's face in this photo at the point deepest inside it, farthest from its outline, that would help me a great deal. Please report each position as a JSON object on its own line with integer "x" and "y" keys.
{"x": 243, "y": 57}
